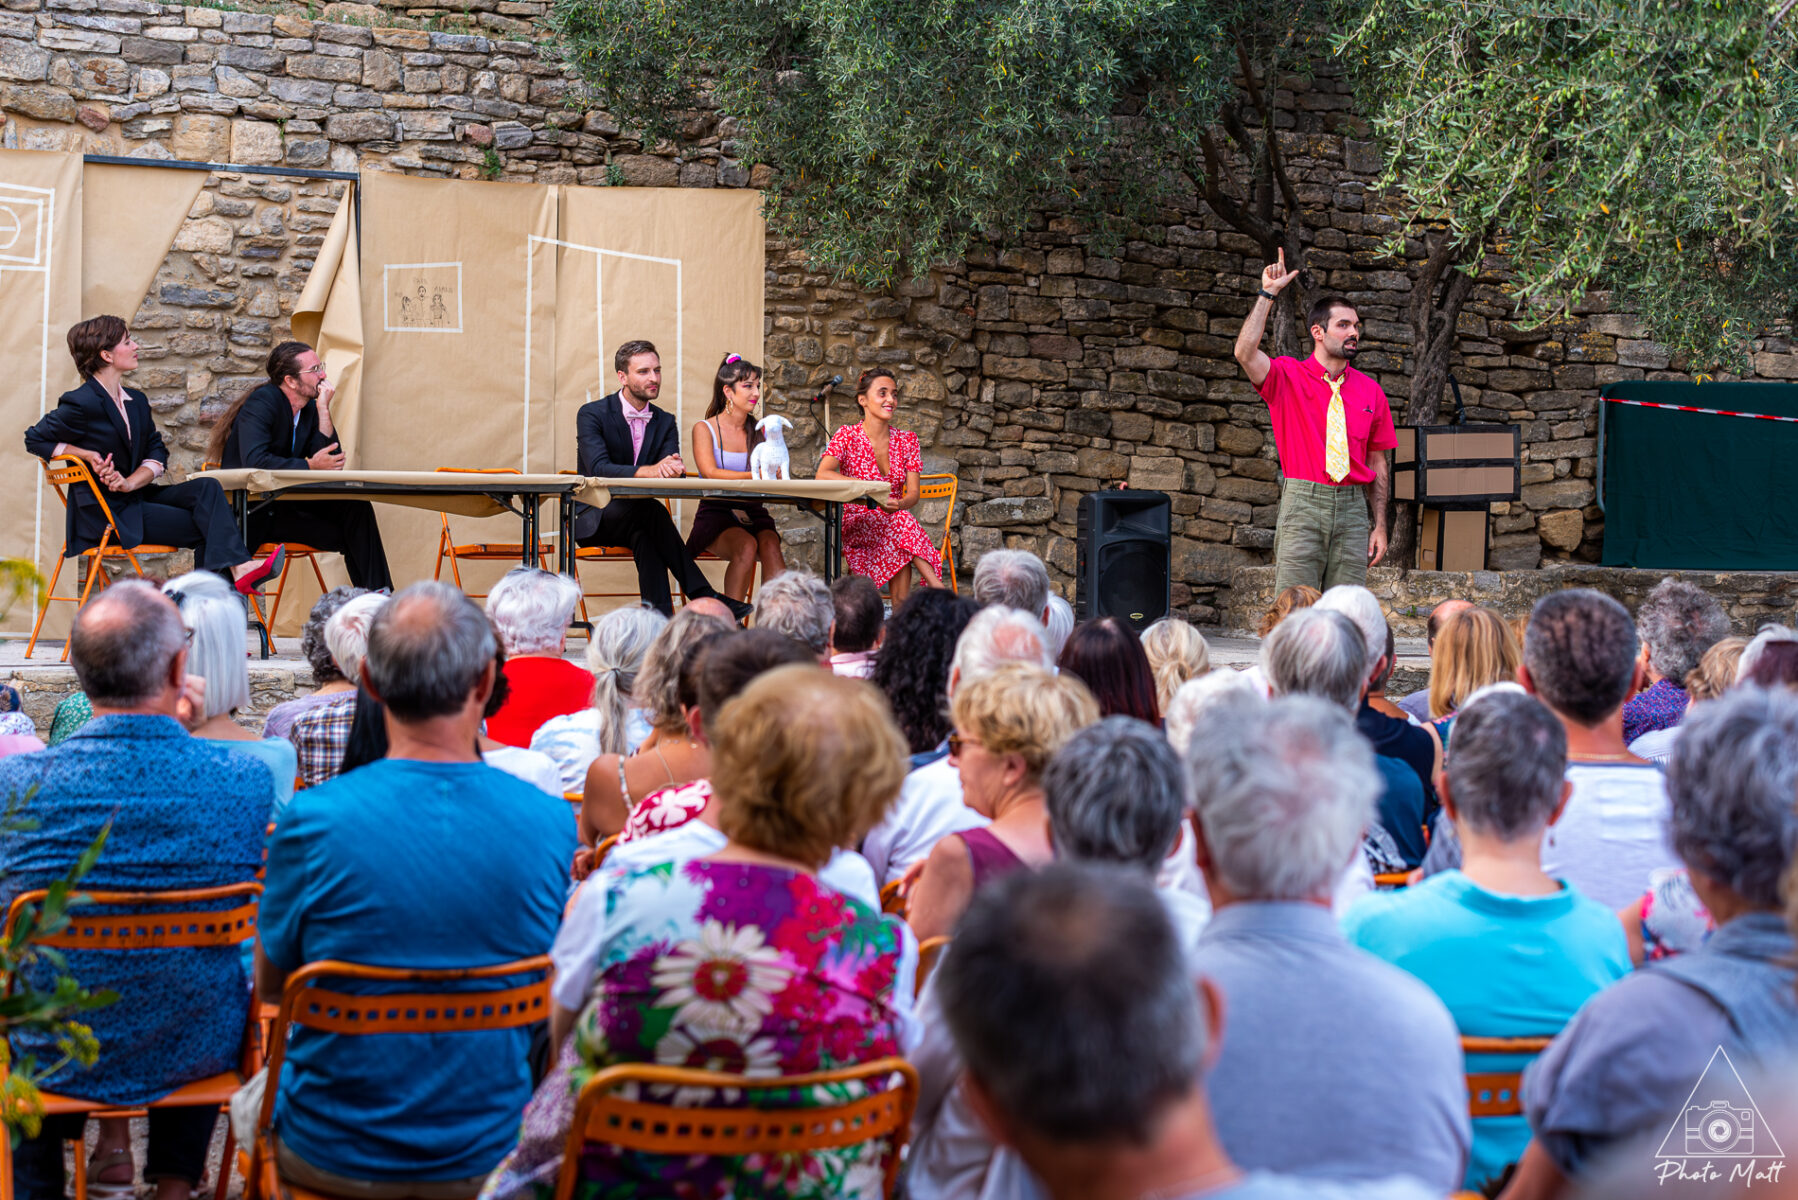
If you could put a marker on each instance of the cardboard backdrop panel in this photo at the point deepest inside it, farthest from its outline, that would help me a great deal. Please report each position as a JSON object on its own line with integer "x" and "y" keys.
{"x": 486, "y": 325}
{"x": 129, "y": 218}
{"x": 40, "y": 297}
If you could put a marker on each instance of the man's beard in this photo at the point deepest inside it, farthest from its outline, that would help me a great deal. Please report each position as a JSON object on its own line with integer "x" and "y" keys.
{"x": 1348, "y": 351}
{"x": 639, "y": 397}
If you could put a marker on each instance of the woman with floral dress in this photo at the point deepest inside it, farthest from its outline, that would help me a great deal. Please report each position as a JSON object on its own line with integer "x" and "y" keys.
{"x": 886, "y": 543}
{"x": 741, "y": 962}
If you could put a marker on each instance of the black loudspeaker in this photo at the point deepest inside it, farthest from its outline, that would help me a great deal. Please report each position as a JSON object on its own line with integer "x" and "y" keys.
{"x": 1126, "y": 550}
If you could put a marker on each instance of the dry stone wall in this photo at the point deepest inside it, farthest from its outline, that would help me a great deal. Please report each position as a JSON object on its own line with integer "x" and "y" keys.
{"x": 1036, "y": 374}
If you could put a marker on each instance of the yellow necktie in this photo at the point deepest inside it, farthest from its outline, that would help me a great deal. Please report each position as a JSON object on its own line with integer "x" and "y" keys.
{"x": 1336, "y": 455}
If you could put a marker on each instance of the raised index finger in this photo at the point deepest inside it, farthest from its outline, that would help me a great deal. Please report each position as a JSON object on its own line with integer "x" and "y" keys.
{"x": 1282, "y": 257}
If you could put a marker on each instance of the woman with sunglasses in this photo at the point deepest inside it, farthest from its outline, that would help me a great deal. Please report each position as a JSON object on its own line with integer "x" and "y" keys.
{"x": 739, "y": 533}
{"x": 285, "y": 425}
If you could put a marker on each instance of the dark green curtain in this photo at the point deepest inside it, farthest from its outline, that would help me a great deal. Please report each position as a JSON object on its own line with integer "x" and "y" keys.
{"x": 1699, "y": 491}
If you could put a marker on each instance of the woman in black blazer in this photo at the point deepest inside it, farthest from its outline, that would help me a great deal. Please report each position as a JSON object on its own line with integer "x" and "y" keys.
{"x": 110, "y": 426}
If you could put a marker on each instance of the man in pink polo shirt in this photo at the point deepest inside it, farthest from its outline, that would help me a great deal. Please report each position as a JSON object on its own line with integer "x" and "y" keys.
{"x": 1332, "y": 428}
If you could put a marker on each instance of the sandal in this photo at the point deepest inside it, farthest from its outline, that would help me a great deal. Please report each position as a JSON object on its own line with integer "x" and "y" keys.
{"x": 108, "y": 1160}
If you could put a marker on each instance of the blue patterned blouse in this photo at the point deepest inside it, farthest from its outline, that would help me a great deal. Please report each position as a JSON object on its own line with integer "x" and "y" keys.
{"x": 186, "y": 814}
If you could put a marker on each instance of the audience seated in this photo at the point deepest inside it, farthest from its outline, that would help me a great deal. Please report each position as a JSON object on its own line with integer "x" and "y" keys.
{"x": 531, "y": 766}
{"x": 1008, "y": 723}
{"x": 18, "y": 734}
{"x": 1176, "y": 653}
{"x": 1014, "y": 578}
{"x": 72, "y": 712}
{"x": 855, "y": 636}
{"x": 742, "y": 960}
{"x": 688, "y": 827}
{"x": 912, "y": 666}
{"x": 1321, "y": 653}
{"x": 428, "y": 858}
{"x": 184, "y": 813}
{"x": 1392, "y": 737}
{"x": 1060, "y": 625}
{"x": 612, "y": 722}
{"x": 1376, "y": 686}
{"x": 214, "y": 615}
{"x": 798, "y": 604}
{"x": 531, "y": 609}
{"x": 930, "y": 804}
{"x": 1510, "y": 951}
{"x": 1579, "y": 658}
{"x": 328, "y": 680}
{"x": 1714, "y": 675}
{"x": 1628, "y": 1062}
{"x": 322, "y": 733}
{"x": 669, "y": 756}
{"x": 1751, "y": 653}
{"x": 1334, "y": 1064}
{"x": 1087, "y": 1051}
{"x": 1417, "y": 704}
{"x": 1474, "y": 649}
{"x": 1105, "y": 656}
{"x": 1677, "y": 623}
{"x": 1777, "y": 666}
{"x": 1116, "y": 795}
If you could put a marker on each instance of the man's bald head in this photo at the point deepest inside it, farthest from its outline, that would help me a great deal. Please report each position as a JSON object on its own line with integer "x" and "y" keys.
{"x": 124, "y": 645}
{"x": 1441, "y": 613}
{"x": 429, "y": 649}
{"x": 711, "y": 606}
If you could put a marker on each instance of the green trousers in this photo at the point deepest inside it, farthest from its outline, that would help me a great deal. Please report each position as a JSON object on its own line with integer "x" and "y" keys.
{"x": 1321, "y": 538}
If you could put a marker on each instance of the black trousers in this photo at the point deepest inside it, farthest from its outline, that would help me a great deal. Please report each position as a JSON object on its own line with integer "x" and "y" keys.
{"x": 179, "y": 1141}
{"x": 194, "y": 514}
{"x": 345, "y": 526}
{"x": 644, "y": 527}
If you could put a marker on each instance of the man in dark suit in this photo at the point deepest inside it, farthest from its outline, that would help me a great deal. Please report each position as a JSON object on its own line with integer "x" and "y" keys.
{"x": 109, "y": 426}
{"x": 624, "y": 436}
{"x": 285, "y": 425}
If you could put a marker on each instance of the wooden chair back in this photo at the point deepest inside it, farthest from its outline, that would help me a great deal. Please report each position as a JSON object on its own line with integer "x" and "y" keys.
{"x": 602, "y": 1115}
{"x": 1498, "y": 1093}
{"x": 942, "y": 487}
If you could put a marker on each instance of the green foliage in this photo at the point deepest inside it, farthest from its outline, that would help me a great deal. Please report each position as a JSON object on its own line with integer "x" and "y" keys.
{"x": 1635, "y": 145}
{"x": 902, "y": 129}
{"x": 492, "y": 165}
{"x": 25, "y": 1007}
{"x": 17, "y": 577}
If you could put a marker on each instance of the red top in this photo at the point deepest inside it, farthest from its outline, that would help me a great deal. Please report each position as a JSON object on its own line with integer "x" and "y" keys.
{"x": 541, "y": 688}
{"x": 1298, "y": 399}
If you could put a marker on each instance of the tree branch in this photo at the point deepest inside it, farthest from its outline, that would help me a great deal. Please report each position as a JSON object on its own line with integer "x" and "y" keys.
{"x": 1276, "y": 164}
{"x": 1226, "y": 206}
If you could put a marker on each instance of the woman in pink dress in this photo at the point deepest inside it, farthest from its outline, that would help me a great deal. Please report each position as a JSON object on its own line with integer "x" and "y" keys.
{"x": 886, "y": 543}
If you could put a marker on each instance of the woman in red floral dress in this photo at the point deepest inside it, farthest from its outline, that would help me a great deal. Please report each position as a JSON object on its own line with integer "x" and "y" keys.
{"x": 884, "y": 543}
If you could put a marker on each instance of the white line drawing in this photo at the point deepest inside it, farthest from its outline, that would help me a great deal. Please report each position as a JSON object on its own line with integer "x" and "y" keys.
{"x": 27, "y": 215}
{"x": 1709, "y": 1126}
{"x": 418, "y": 295}
{"x": 532, "y": 241}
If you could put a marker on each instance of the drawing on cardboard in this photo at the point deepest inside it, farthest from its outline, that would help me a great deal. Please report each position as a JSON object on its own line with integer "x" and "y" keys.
{"x": 22, "y": 225}
{"x": 422, "y": 297}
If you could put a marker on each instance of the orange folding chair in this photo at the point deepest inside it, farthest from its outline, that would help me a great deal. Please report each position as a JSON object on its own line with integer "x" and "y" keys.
{"x": 305, "y": 1002}
{"x": 1499, "y": 1093}
{"x": 601, "y": 1115}
{"x": 892, "y": 902}
{"x": 168, "y": 924}
{"x": 66, "y": 470}
{"x": 942, "y": 487}
{"x": 447, "y": 547}
{"x": 295, "y": 552}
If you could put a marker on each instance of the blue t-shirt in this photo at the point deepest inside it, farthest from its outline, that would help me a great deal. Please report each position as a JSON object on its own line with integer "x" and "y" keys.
{"x": 1505, "y": 966}
{"x": 411, "y": 864}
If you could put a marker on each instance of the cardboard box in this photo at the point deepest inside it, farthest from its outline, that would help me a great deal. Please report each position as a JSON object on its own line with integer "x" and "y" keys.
{"x": 1451, "y": 539}
{"x": 1457, "y": 464}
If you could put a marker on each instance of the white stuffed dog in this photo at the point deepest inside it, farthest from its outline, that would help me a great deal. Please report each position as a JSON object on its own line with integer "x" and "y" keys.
{"x": 769, "y": 459}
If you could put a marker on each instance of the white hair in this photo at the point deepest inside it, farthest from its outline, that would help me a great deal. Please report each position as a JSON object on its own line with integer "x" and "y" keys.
{"x": 1060, "y": 626}
{"x": 1498, "y": 688}
{"x": 531, "y": 609}
{"x": 1016, "y": 578}
{"x": 1283, "y": 792}
{"x": 798, "y": 604}
{"x": 1751, "y": 654}
{"x": 998, "y": 635}
{"x": 214, "y": 612}
{"x": 1363, "y": 608}
{"x": 346, "y": 633}
{"x": 1197, "y": 696}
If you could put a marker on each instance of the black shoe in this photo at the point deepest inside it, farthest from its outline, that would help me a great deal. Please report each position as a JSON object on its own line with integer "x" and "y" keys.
{"x": 739, "y": 609}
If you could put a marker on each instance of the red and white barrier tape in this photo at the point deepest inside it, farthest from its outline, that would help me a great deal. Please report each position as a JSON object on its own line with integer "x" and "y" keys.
{"x": 1713, "y": 412}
